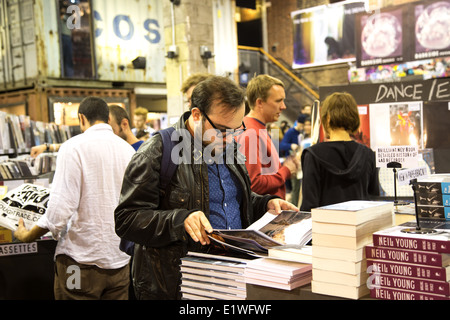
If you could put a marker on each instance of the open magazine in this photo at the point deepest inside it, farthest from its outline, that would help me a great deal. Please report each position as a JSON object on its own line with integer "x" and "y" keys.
{"x": 289, "y": 227}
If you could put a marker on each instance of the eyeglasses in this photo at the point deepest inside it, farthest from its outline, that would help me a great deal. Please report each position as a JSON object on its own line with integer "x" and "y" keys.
{"x": 221, "y": 133}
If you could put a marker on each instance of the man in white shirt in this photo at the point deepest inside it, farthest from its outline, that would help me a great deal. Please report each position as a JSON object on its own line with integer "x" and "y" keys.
{"x": 80, "y": 214}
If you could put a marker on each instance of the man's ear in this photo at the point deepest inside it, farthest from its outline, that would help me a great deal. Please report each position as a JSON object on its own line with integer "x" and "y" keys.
{"x": 196, "y": 114}
{"x": 258, "y": 103}
{"x": 82, "y": 119}
{"x": 124, "y": 124}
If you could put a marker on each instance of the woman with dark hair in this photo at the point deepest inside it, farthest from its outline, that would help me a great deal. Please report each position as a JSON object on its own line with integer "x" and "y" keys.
{"x": 338, "y": 169}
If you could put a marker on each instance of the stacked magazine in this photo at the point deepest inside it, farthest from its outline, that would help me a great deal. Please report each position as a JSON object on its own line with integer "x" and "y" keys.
{"x": 221, "y": 272}
{"x": 279, "y": 274}
{"x": 212, "y": 277}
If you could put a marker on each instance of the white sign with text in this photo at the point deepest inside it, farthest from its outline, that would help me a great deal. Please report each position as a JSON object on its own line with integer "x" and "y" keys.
{"x": 406, "y": 156}
{"x": 406, "y": 175}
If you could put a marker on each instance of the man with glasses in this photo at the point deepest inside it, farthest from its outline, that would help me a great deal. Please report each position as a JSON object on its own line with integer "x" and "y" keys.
{"x": 210, "y": 190}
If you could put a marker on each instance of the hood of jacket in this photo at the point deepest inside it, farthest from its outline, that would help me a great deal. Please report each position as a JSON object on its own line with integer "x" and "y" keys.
{"x": 346, "y": 159}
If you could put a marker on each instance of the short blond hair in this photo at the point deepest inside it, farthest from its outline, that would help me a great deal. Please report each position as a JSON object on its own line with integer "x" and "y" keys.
{"x": 258, "y": 88}
{"x": 141, "y": 111}
{"x": 194, "y": 80}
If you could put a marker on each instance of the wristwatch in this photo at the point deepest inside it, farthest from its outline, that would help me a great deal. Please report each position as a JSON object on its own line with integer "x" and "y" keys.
{"x": 47, "y": 147}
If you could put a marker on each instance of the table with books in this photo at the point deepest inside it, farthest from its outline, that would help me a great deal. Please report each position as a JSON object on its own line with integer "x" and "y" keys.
{"x": 359, "y": 250}
{"x": 243, "y": 259}
{"x": 258, "y": 263}
{"x": 412, "y": 261}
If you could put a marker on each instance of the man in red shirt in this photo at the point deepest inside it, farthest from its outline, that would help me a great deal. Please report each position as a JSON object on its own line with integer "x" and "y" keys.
{"x": 265, "y": 95}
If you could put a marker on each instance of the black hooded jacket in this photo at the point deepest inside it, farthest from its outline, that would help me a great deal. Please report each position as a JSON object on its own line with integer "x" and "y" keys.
{"x": 338, "y": 171}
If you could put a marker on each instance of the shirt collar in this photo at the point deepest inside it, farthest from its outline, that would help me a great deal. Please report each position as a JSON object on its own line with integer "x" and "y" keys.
{"x": 254, "y": 119}
{"x": 99, "y": 127}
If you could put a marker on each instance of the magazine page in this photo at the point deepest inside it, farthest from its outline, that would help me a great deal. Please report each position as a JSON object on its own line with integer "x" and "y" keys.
{"x": 264, "y": 220}
{"x": 27, "y": 201}
{"x": 252, "y": 240}
{"x": 289, "y": 227}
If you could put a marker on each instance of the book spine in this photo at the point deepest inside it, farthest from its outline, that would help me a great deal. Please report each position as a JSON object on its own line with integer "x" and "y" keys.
{"x": 411, "y": 284}
{"x": 404, "y": 256}
{"x": 434, "y": 212}
{"x": 393, "y": 241}
{"x": 394, "y": 294}
{"x": 433, "y": 187}
{"x": 407, "y": 270}
{"x": 432, "y": 199}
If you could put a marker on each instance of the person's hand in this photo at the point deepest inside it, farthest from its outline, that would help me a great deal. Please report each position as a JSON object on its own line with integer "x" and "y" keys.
{"x": 37, "y": 150}
{"x": 278, "y": 205}
{"x": 25, "y": 235}
{"x": 293, "y": 164}
{"x": 22, "y": 233}
{"x": 197, "y": 226}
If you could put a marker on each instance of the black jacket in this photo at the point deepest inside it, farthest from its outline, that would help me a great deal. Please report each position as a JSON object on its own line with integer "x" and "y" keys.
{"x": 156, "y": 222}
{"x": 338, "y": 171}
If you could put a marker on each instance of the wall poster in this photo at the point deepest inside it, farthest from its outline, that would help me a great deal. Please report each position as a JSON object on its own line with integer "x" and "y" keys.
{"x": 396, "y": 124}
{"x": 393, "y": 35}
{"x": 432, "y": 29}
{"x": 325, "y": 34}
{"x": 380, "y": 37}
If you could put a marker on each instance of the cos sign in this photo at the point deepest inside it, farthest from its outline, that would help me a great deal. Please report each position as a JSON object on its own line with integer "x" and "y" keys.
{"x": 151, "y": 25}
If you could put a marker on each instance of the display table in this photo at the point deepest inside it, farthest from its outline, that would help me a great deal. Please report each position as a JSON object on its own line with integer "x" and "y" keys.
{"x": 255, "y": 292}
{"x": 27, "y": 270}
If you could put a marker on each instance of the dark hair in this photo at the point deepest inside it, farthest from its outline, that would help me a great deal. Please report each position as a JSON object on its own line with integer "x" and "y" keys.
{"x": 119, "y": 114}
{"x": 341, "y": 110}
{"x": 301, "y": 118}
{"x": 94, "y": 109}
{"x": 141, "y": 133}
{"x": 229, "y": 94}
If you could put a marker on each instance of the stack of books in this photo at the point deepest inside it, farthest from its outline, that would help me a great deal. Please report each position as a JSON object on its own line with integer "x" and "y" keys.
{"x": 212, "y": 277}
{"x": 274, "y": 273}
{"x": 339, "y": 234}
{"x": 433, "y": 196}
{"x": 408, "y": 266}
{"x": 292, "y": 252}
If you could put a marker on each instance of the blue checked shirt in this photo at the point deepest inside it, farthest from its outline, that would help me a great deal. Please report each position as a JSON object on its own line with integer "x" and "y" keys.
{"x": 225, "y": 195}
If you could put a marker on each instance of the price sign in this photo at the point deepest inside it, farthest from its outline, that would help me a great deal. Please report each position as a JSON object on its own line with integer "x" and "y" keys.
{"x": 406, "y": 156}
